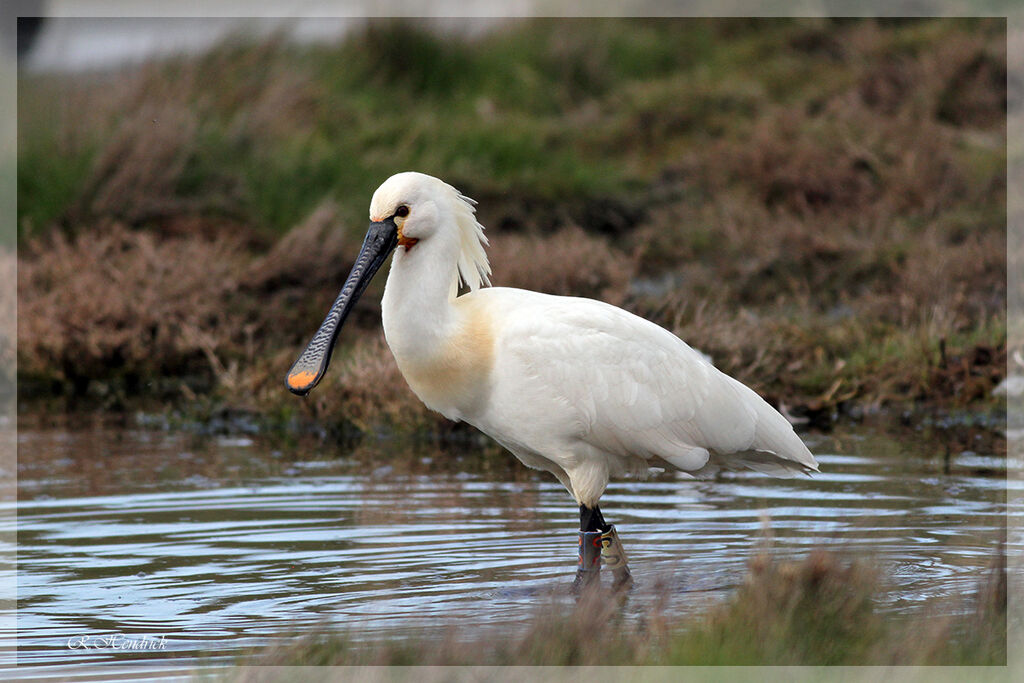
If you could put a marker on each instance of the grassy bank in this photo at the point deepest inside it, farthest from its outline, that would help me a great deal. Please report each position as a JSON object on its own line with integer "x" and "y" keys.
{"x": 823, "y": 610}
{"x": 819, "y": 205}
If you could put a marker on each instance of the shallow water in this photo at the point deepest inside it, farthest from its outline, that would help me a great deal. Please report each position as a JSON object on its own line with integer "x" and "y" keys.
{"x": 214, "y": 546}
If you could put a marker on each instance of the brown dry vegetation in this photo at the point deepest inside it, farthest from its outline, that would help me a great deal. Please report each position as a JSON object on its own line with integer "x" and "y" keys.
{"x": 819, "y": 206}
{"x": 822, "y": 610}
{"x": 127, "y": 302}
{"x": 568, "y": 262}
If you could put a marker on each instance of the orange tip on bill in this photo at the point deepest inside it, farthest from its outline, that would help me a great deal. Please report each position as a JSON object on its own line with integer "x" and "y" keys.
{"x": 301, "y": 380}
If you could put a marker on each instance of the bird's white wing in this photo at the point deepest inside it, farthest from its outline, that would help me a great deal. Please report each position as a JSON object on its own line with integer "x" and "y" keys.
{"x": 638, "y": 390}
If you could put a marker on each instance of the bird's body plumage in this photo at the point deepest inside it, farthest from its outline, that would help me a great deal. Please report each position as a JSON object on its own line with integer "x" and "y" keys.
{"x": 589, "y": 391}
{"x": 574, "y": 386}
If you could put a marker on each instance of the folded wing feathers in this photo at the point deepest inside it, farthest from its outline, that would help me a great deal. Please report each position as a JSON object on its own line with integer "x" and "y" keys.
{"x": 648, "y": 393}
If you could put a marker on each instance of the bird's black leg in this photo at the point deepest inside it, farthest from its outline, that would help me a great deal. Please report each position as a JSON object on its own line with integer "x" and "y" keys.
{"x": 591, "y": 519}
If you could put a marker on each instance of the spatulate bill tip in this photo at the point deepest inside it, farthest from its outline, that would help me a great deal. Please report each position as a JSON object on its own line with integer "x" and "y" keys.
{"x": 300, "y": 382}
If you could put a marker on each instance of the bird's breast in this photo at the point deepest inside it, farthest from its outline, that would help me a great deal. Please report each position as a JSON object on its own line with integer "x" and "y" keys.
{"x": 452, "y": 372}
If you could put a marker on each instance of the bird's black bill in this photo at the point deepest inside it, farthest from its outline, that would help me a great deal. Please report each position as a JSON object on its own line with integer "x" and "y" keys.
{"x": 380, "y": 240}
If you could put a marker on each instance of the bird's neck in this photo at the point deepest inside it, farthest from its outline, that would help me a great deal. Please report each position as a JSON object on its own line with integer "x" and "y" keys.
{"x": 443, "y": 346}
{"x": 417, "y": 308}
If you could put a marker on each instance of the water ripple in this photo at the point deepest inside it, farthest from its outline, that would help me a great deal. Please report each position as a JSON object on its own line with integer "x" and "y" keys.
{"x": 224, "y": 547}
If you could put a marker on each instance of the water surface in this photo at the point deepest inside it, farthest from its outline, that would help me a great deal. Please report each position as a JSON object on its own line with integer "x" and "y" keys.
{"x": 214, "y": 546}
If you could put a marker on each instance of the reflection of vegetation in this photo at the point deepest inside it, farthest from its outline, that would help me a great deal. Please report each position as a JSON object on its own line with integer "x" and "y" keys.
{"x": 820, "y": 205}
{"x": 818, "y": 611}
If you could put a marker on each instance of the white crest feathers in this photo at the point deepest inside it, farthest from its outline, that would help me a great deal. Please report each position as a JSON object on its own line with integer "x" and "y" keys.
{"x": 474, "y": 268}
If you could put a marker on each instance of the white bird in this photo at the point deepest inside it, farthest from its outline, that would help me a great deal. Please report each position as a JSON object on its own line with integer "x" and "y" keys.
{"x": 575, "y": 387}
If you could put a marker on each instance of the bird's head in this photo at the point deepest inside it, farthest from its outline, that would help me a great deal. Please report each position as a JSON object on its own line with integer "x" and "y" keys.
{"x": 406, "y": 210}
{"x": 424, "y": 208}
{"x": 418, "y": 205}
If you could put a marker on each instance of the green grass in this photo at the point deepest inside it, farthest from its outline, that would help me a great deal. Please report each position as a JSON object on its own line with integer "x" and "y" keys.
{"x": 549, "y": 108}
{"x": 541, "y": 109}
{"x": 53, "y": 164}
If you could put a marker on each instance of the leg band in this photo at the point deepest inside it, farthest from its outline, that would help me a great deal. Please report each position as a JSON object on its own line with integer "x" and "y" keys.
{"x": 614, "y": 558}
{"x": 590, "y": 551}
{"x": 588, "y": 570}
{"x": 612, "y": 554}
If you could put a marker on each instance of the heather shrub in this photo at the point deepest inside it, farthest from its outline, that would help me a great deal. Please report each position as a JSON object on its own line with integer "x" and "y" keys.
{"x": 568, "y": 262}
{"x": 117, "y": 303}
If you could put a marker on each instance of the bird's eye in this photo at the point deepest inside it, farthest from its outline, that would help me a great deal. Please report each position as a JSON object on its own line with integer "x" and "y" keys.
{"x": 402, "y": 211}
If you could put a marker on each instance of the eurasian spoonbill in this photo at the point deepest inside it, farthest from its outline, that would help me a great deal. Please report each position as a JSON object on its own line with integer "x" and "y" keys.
{"x": 573, "y": 386}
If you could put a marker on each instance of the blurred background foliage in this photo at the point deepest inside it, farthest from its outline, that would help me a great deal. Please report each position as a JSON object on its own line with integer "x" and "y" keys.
{"x": 817, "y": 203}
